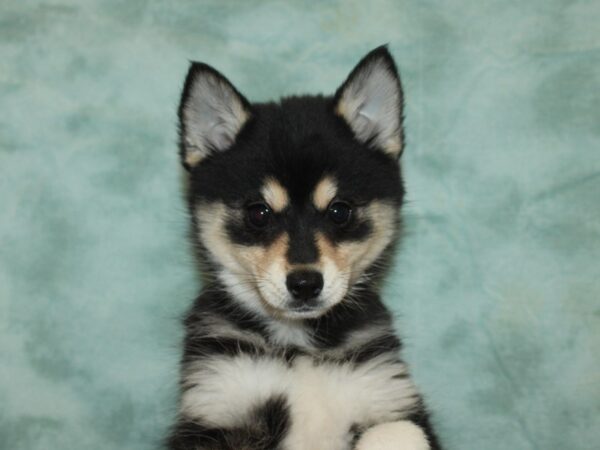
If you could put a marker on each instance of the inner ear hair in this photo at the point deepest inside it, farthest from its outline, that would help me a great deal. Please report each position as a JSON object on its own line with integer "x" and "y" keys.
{"x": 371, "y": 102}
{"x": 211, "y": 114}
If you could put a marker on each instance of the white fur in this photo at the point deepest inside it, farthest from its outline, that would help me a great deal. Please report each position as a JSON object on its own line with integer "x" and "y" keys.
{"x": 325, "y": 399}
{"x": 335, "y": 283}
{"x": 400, "y": 435}
{"x": 371, "y": 104}
{"x": 289, "y": 333}
{"x": 243, "y": 291}
{"x": 272, "y": 284}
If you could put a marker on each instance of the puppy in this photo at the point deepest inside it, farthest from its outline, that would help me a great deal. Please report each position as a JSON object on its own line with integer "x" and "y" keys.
{"x": 295, "y": 211}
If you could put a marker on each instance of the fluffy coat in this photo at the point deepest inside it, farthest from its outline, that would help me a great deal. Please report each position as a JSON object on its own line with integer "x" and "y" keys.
{"x": 295, "y": 213}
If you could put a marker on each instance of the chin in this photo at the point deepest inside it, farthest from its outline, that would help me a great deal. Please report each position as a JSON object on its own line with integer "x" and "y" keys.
{"x": 281, "y": 311}
{"x": 301, "y": 314}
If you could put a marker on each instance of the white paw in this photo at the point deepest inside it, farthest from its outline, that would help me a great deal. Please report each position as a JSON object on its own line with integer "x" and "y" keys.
{"x": 401, "y": 435}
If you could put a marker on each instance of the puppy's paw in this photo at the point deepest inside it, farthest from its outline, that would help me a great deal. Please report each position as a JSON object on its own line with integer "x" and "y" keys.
{"x": 401, "y": 435}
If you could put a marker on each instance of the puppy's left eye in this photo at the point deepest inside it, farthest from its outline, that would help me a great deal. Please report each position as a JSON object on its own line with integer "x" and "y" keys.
{"x": 339, "y": 212}
{"x": 259, "y": 215}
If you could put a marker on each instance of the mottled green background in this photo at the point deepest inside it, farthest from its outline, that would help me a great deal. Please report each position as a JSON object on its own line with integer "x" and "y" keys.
{"x": 497, "y": 282}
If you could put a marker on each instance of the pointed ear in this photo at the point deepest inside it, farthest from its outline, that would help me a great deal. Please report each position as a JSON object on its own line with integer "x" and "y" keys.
{"x": 370, "y": 101}
{"x": 211, "y": 114}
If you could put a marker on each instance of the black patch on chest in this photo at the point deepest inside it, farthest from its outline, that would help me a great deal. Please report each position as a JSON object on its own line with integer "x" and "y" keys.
{"x": 387, "y": 343}
{"x": 332, "y": 329}
{"x": 215, "y": 301}
{"x": 199, "y": 346}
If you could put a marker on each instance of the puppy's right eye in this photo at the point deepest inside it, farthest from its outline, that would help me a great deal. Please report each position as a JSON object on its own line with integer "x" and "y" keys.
{"x": 258, "y": 214}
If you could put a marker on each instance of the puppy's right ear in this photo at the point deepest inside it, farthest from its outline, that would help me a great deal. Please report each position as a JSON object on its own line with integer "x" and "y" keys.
{"x": 211, "y": 114}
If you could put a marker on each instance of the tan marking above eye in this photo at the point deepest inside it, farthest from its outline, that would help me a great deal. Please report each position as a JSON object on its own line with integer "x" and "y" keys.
{"x": 275, "y": 194}
{"x": 324, "y": 192}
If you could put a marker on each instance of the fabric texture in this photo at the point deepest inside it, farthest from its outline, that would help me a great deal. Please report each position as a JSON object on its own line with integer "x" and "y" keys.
{"x": 497, "y": 281}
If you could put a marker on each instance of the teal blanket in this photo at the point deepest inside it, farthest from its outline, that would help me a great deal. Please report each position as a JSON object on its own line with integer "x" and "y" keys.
{"x": 497, "y": 281}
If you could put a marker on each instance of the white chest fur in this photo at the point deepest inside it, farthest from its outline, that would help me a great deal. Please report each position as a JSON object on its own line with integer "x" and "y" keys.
{"x": 325, "y": 399}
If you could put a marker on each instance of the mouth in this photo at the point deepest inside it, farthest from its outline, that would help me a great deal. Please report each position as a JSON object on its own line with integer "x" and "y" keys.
{"x": 304, "y": 312}
{"x": 295, "y": 312}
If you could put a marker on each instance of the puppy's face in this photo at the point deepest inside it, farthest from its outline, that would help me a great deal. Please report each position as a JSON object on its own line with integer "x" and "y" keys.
{"x": 294, "y": 203}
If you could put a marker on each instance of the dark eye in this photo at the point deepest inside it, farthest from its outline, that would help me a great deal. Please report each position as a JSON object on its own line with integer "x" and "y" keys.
{"x": 339, "y": 212}
{"x": 258, "y": 215}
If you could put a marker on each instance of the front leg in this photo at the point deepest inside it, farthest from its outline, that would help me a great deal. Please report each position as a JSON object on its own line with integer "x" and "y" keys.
{"x": 231, "y": 402}
{"x": 413, "y": 433}
{"x": 262, "y": 429}
{"x": 400, "y": 435}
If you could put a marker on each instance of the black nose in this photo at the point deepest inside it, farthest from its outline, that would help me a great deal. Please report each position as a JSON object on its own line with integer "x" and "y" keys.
{"x": 304, "y": 284}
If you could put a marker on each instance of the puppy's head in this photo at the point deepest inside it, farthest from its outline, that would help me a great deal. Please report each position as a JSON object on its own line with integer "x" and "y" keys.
{"x": 294, "y": 203}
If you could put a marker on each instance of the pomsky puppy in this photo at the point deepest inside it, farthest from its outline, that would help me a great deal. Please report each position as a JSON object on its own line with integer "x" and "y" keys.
{"x": 295, "y": 211}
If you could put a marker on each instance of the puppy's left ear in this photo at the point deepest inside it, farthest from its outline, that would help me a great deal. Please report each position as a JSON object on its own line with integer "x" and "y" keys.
{"x": 211, "y": 114}
{"x": 370, "y": 101}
